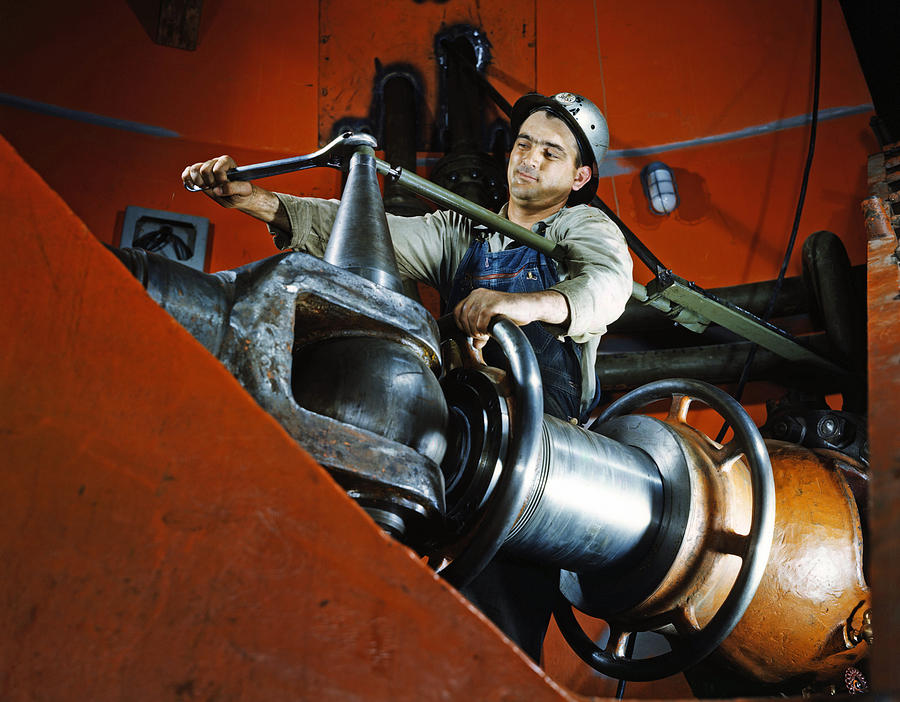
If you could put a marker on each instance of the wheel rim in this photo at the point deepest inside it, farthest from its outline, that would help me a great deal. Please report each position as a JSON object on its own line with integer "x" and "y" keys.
{"x": 754, "y": 548}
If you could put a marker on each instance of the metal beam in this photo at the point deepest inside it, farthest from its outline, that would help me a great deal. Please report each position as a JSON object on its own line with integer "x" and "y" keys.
{"x": 683, "y": 294}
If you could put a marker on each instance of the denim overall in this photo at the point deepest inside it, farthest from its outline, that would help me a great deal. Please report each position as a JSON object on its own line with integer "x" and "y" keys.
{"x": 518, "y": 597}
{"x": 524, "y": 270}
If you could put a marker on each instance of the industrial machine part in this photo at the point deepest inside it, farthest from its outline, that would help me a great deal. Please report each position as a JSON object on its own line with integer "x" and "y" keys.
{"x": 320, "y": 344}
{"x": 654, "y": 525}
{"x": 621, "y": 370}
{"x": 643, "y": 345}
{"x": 818, "y": 522}
{"x": 495, "y": 431}
{"x": 792, "y": 300}
{"x": 807, "y": 420}
{"x": 717, "y": 517}
{"x": 659, "y": 528}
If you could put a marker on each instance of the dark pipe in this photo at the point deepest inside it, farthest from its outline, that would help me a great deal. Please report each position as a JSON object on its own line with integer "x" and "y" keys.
{"x": 465, "y": 101}
{"x": 465, "y": 169}
{"x": 827, "y": 273}
{"x": 399, "y": 143}
{"x": 719, "y": 363}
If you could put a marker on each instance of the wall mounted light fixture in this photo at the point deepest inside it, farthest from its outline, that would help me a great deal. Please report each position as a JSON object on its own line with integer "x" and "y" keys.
{"x": 659, "y": 187}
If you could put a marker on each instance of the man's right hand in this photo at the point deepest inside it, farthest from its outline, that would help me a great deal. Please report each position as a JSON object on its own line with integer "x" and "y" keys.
{"x": 211, "y": 176}
{"x": 241, "y": 195}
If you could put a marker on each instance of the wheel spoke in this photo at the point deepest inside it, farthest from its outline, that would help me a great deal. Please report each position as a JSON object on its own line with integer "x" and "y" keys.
{"x": 728, "y": 455}
{"x": 731, "y": 542}
{"x": 678, "y": 410}
{"x": 617, "y": 642}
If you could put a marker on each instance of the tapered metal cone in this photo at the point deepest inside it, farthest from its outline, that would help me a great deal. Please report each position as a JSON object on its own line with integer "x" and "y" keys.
{"x": 360, "y": 240}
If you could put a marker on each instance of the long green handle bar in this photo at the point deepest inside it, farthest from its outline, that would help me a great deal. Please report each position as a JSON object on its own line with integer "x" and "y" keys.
{"x": 477, "y": 213}
{"x": 676, "y": 297}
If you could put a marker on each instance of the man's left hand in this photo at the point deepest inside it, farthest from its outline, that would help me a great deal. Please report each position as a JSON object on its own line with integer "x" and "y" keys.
{"x": 474, "y": 313}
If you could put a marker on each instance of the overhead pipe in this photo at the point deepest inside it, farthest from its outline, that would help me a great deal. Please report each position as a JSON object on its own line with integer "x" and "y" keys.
{"x": 399, "y": 129}
{"x": 466, "y": 169}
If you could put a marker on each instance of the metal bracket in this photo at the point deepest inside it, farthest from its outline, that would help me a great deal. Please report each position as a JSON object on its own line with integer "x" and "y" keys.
{"x": 681, "y": 296}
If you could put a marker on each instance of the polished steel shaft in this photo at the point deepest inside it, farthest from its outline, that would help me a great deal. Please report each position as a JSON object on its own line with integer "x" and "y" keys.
{"x": 594, "y": 503}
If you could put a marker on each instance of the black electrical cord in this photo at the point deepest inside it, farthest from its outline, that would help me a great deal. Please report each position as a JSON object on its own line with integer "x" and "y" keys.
{"x": 745, "y": 372}
{"x": 158, "y": 239}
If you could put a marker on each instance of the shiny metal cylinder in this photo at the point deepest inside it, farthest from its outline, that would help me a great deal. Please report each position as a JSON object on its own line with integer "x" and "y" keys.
{"x": 595, "y": 503}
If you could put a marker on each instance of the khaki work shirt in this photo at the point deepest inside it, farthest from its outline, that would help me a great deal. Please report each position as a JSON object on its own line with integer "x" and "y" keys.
{"x": 595, "y": 275}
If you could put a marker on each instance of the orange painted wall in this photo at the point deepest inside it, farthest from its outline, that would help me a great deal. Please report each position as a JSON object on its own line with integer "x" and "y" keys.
{"x": 678, "y": 71}
{"x": 249, "y": 89}
{"x": 251, "y": 81}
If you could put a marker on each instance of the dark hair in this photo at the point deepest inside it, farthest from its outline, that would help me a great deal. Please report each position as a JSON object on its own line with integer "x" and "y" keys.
{"x": 550, "y": 112}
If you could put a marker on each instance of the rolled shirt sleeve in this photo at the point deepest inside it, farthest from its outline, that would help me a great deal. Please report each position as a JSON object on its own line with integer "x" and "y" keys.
{"x": 596, "y": 271}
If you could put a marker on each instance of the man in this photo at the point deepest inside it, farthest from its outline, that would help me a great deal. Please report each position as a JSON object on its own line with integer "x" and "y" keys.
{"x": 563, "y": 308}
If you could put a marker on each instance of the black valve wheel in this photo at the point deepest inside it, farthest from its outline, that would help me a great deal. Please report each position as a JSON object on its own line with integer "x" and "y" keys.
{"x": 613, "y": 660}
{"x": 461, "y": 561}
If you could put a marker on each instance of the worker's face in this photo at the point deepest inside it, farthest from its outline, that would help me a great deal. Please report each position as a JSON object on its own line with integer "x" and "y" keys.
{"x": 542, "y": 171}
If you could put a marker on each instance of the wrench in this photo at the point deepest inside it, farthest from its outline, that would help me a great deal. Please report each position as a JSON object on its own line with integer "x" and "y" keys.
{"x": 333, "y": 155}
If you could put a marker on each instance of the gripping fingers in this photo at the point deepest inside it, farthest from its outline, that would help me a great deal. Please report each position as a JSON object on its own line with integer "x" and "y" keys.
{"x": 479, "y": 341}
{"x": 220, "y": 169}
{"x": 211, "y": 176}
{"x": 473, "y": 318}
{"x": 190, "y": 176}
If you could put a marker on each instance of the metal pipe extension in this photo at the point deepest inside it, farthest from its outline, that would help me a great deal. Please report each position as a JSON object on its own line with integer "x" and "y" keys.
{"x": 445, "y": 198}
